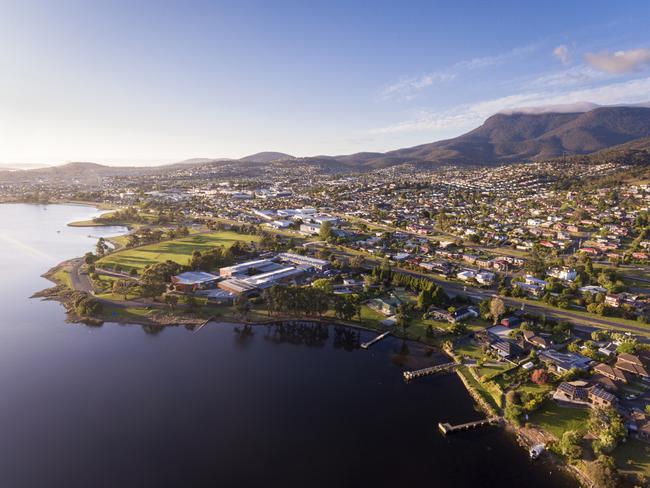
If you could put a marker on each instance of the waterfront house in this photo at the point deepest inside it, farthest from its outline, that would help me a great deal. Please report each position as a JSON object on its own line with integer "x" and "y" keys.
{"x": 507, "y": 349}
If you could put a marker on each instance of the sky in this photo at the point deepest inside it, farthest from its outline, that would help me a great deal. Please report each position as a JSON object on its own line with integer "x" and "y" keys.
{"x": 150, "y": 82}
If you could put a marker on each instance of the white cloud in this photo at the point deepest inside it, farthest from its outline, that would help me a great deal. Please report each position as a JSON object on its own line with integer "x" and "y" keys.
{"x": 562, "y": 53}
{"x": 576, "y": 75}
{"x": 620, "y": 61}
{"x": 408, "y": 88}
{"x": 468, "y": 116}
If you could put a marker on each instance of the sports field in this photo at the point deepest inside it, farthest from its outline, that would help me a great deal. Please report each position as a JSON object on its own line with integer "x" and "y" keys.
{"x": 177, "y": 250}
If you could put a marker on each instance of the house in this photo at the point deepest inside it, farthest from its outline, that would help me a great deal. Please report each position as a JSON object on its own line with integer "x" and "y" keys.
{"x": 564, "y": 362}
{"x": 485, "y": 277}
{"x": 564, "y": 274}
{"x": 511, "y": 322}
{"x": 601, "y": 398}
{"x": 506, "y": 349}
{"x": 384, "y": 307}
{"x": 466, "y": 275}
{"x": 532, "y": 290}
{"x": 192, "y": 281}
{"x": 531, "y": 280}
{"x": 535, "y": 340}
{"x": 442, "y": 267}
{"x": 611, "y": 372}
{"x": 465, "y": 313}
{"x": 592, "y": 289}
{"x": 572, "y": 392}
{"x": 608, "y": 349}
{"x": 614, "y": 301}
{"x": 631, "y": 364}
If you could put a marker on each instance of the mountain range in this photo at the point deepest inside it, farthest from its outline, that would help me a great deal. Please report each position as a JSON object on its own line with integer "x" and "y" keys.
{"x": 522, "y": 137}
{"x": 515, "y": 136}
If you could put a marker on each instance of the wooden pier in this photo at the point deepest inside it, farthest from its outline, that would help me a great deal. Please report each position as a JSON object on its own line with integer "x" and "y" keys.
{"x": 440, "y": 368}
{"x": 203, "y": 324}
{"x": 366, "y": 345}
{"x": 447, "y": 428}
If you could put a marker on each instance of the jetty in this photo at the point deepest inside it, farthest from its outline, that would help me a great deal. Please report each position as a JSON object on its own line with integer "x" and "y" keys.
{"x": 203, "y": 324}
{"x": 447, "y": 428}
{"x": 440, "y": 368}
{"x": 366, "y": 345}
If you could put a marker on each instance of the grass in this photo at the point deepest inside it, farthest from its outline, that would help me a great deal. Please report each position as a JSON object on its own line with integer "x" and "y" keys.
{"x": 63, "y": 277}
{"x": 370, "y": 317}
{"x": 633, "y": 456}
{"x": 556, "y": 419}
{"x": 177, "y": 250}
{"x": 480, "y": 389}
{"x": 531, "y": 387}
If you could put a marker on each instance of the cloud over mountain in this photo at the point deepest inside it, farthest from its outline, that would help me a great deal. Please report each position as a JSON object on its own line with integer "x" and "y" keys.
{"x": 619, "y": 61}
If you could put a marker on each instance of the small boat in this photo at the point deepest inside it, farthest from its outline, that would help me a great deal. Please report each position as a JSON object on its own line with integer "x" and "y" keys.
{"x": 536, "y": 451}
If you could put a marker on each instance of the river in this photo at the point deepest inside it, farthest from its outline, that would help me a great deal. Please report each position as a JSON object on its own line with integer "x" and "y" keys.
{"x": 119, "y": 406}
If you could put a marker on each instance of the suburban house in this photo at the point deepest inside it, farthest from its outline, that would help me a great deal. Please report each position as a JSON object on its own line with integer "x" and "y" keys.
{"x": 572, "y": 392}
{"x": 631, "y": 364}
{"x": 511, "y": 322}
{"x": 564, "y": 274}
{"x": 384, "y": 307}
{"x": 507, "y": 349}
{"x": 563, "y": 362}
{"x": 535, "y": 340}
{"x": 611, "y": 372}
{"x": 601, "y": 398}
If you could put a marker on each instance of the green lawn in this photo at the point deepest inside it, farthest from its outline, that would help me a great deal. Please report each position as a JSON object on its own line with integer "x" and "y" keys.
{"x": 531, "y": 387}
{"x": 177, "y": 250}
{"x": 557, "y": 420}
{"x": 369, "y": 316}
{"x": 633, "y": 456}
{"x": 62, "y": 276}
{"x": 480, "y": 389}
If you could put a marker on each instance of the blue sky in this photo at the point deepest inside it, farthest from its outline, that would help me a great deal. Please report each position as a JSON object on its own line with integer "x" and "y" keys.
{"x": 150, "y": 82}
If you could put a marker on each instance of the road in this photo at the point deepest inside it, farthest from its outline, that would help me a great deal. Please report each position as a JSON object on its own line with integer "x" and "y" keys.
{"x": 79, "y": 280}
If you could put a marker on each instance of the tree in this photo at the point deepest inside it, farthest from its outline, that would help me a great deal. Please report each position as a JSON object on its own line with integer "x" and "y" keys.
{"x": 539, "y": 377}
{"x": 357, "y": 263}
{"x": 569, "y": 445}
{"x": 609, "y": 428}
{"x": 122, "y": 287}
{"x": 325, "y": 233}
{"x": 242, "y": 306}
{"x": 497, "y": 309}
{"x": 171, "y": 300}
{"x": 101, "y": 247}
{"x": 324, "y": 285}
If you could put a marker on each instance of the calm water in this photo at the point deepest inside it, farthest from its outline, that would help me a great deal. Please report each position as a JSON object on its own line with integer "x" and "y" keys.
{"x": 118, "y": 407}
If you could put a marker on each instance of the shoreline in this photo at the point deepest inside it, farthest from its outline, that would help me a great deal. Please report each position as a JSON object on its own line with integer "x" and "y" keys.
{"x": 62, "y": 293}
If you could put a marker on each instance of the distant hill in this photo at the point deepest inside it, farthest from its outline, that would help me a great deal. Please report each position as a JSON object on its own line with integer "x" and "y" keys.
{"x": 517, "y": 137}
{"x": 266, "y": 157}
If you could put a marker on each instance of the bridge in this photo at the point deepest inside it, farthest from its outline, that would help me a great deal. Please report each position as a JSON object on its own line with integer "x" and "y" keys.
{"x": 447, "y": 428}
{"x": 440, "y": 368}
{"x": 366, "y": 345}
